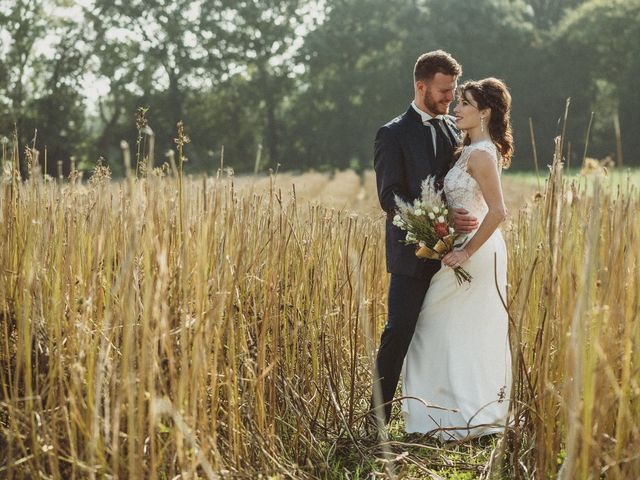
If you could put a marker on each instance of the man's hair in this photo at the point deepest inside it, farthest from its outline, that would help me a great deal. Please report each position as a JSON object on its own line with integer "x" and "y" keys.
{"x": 438, "y": 61}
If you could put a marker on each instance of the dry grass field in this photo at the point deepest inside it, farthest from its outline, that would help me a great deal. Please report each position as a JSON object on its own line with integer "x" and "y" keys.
{"x": 346, "y": 190}
{"x": 170, "y": 328}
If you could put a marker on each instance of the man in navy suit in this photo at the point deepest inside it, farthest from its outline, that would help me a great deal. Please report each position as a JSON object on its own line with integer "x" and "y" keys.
{"x": 408, "y": 149}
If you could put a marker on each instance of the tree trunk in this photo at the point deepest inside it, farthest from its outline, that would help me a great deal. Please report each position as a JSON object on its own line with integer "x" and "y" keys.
{"x": 271, "y": 132}
{"x": 109, "y": 124}
{"x": 175, "y": 97}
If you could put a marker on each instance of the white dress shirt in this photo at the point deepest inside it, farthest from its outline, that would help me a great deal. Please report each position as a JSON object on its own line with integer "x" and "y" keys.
{"x": 425, "y": 121}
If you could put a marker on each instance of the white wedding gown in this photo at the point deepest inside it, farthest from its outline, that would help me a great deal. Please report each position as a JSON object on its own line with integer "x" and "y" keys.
{"x": 459, "y": 361}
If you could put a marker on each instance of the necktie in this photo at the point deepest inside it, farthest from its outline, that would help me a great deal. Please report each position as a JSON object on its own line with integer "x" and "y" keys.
{"x": 444, "y": 151}
{"x": 444, "y": 145}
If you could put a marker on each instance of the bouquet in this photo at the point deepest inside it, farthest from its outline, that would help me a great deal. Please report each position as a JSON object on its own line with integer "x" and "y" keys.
{"x": 427, "y": 224}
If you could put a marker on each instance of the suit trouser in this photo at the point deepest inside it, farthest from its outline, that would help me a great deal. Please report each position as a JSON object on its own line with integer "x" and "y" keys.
{"x": 405, "y": 299}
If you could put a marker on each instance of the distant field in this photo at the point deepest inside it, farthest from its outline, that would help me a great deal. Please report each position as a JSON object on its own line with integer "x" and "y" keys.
{"x": 614, "y": 176}
{"x": 346, "y": 190}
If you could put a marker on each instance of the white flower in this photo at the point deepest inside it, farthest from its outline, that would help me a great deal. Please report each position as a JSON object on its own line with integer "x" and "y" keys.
{"x": 436, "y": 210}
{"x": 432, "y": 216}
{"x": 419, "y": 211}
{"x": 430, "y": 195}
{"x": 451, "y": 230}
{"x": 422, "y": 244}
{"x": 445, "y": 212}
{"x": 403, "y": 207}
{"x": 441, "y": 219}
{"x": 411, "y": 237}
{"x": 398, "y": 221}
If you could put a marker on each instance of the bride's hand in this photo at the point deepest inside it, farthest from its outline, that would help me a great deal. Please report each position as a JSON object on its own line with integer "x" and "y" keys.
{"x": 455, "y": 258}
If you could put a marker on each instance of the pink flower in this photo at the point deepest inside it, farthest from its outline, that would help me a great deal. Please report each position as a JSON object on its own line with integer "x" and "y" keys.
{"x": 441, "y": 229}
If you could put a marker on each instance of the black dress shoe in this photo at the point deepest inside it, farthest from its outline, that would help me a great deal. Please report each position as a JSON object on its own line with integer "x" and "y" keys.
{"x": 374, "y": 430}
{"x": 488, "y": 440}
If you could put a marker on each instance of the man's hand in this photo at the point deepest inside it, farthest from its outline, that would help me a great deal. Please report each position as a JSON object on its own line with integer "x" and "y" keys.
{"x": 463, "y": 221}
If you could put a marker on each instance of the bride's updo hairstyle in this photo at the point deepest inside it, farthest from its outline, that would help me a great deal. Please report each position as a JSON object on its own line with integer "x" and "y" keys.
{"x": 493, "y": 93}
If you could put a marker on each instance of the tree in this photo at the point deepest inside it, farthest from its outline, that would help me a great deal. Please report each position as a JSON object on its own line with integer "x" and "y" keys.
{"x": 610, "y": 66}
{"x": 357, "y": 75}
{"x": 547, "y": 14}
{"x": 359, "y": 72}
{"x": 241, "y": 73}
{"x": 225, "y": 117}
{"x": 262, "y": 40}
{"x": 172, "y": 54}
{"x": 154, "y": 53}
{"x": 24, "y": 24}
{"x": 40, "y": 87}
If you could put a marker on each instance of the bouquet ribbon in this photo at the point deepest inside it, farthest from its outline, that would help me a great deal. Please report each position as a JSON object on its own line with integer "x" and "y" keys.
{"x": 442, "y": 246}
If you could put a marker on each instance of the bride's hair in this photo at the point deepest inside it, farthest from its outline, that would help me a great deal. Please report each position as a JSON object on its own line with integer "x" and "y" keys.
{"x": 493, "y": 93}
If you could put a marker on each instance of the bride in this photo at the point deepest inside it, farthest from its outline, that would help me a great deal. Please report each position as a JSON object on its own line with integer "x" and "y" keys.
{"x": 457, "y": 372}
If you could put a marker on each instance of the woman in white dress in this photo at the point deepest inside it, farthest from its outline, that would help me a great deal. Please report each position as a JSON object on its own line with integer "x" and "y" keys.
{"x": 457, "y": 372}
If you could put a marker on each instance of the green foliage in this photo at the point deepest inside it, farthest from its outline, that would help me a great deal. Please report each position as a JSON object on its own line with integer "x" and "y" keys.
{"x": 546, "y": 14}
{"x": 601, "y": 37}
{"x": 354, "y": 77}
{"x": 39, "y": 91}
{"x": 308, "y": 81}
{"x": 224, "y": 118}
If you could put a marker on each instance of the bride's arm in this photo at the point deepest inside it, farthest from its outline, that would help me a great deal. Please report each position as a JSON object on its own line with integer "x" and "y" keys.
{"x": 482, "y": 167}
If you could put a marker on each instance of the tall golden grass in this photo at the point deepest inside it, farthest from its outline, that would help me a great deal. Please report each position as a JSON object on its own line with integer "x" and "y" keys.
{"x": 179, "y": 328}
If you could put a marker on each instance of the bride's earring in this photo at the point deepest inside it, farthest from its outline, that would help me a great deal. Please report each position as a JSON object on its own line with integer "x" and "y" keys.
{"x": 482, "y": 124}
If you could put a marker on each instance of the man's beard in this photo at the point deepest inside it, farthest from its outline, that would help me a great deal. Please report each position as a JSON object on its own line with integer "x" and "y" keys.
{"x": 432, "y": 106}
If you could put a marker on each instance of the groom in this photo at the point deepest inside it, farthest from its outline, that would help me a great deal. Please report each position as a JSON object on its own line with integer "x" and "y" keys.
{"x": 408, "y": 149}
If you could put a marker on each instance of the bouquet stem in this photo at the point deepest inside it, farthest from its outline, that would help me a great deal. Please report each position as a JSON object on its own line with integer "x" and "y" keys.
{"x": 462, "y": 275}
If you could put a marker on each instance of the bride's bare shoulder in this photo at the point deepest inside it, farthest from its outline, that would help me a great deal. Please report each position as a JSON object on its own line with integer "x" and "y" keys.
{"x": 482, "y": 162}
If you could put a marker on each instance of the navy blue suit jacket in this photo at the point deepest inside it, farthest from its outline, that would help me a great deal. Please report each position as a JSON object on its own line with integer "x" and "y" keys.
{"x": 403, "y": 158}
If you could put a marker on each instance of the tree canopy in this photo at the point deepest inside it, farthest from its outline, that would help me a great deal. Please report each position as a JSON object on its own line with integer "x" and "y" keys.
{"x": 304, "y": 82}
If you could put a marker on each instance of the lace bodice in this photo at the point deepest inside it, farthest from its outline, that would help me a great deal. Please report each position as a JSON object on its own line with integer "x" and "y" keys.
{"x": 461, "y": 188}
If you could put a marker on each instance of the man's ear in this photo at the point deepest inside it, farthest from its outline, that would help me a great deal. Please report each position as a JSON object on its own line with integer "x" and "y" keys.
{"x": 421, "y": 85}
